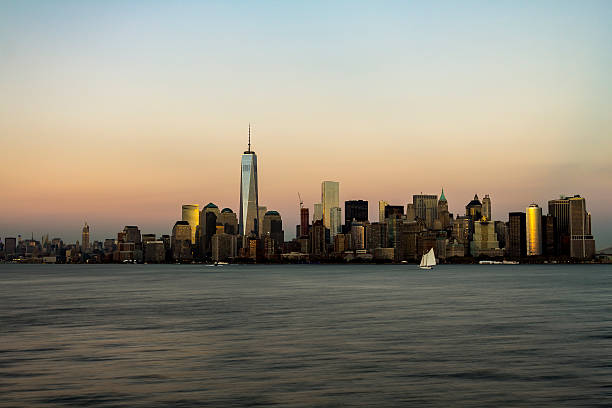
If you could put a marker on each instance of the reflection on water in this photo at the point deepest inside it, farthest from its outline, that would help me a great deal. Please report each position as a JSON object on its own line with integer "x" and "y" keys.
{"x": 142, "y": 335}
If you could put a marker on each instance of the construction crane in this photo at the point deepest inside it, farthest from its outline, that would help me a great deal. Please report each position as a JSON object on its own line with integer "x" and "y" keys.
{"x": 301, "y": 201}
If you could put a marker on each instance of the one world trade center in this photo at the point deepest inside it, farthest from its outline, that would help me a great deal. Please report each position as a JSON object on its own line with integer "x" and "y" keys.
{"x": 249, "y": 203}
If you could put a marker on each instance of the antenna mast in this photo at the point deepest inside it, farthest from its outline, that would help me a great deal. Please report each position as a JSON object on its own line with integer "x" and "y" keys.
{"x": 301, "y": 201}
{"x": 249, "y": 137}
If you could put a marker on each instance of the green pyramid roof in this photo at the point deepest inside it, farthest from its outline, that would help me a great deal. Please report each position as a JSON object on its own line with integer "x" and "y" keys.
{"x": 442, "y": 198}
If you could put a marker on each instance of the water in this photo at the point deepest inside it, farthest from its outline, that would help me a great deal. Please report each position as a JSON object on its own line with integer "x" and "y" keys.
{"x": 305, "y": 335}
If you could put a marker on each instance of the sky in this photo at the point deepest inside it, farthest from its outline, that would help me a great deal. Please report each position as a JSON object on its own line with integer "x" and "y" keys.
{"x": 119, "y": 112}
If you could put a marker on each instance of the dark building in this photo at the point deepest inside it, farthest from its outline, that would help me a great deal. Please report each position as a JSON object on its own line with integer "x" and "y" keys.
{"x": 318, "y": 244}
{"x": 474, "y": 209}
{"x": 377, "y": 235}
{"x": 304, "y": 222}
{"x": 560, "y": 209}
{"x": 394, "y": 211}
{"x": 355, "y": 210}
{"x": 516, "y": 246}
{"x": 426, "y": 208}
{"x": 10, "y": 247}
{"x": 549, "y": 236}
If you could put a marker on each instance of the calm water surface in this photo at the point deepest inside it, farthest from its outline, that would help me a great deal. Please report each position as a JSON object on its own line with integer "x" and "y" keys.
{"x": 305, "y": 335}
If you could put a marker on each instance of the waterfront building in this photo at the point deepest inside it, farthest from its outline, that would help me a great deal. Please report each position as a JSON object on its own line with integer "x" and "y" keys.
{"x": 484, "y": 240}
{"x": 406, "y": 246}
{"x": 191, "y": 214}
{"x": 330, "y": 193}
{"x": 534, "y": 230}
{"x": 426, "y": 208}
{"x": 559, "y": 209}
{"x": 318, "y": 245}
{"x": 131, "y": 233}
{"x": 224, "y": 247}
{"x": 342, "y": 243}
{"x": 154, "y": 251}
{"x": 486, "y": 207}
{"x": 206, "y": 229}
{"x": 381, "y": 210}
{"x": 461, "y": 229}
{"x": 355, "y": 210}
{"x": 249, "y": 196}
{"x": 229, "y": 220}
{"x": 549, "y": 235}
{"x": 10, "y": 247}
{"x": 304, "y": 223}
{"x": 516, "y": 245}
{"x": 582, "y": 244}
{"x": 358, "y": 235}
{"x": 85, "y": 237}
{"x": 181, "y": 242}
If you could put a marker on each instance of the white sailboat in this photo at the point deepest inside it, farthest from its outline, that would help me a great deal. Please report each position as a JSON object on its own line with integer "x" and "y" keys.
{"x": 428, "y": 260}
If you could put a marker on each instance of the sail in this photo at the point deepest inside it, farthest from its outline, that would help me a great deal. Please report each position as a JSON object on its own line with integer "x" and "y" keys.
{"x": 424, "y": 260}
{"x": 431, "y": 258}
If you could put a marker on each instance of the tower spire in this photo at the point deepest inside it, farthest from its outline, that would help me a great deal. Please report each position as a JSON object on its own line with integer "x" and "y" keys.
{"x": 249, "y": 137}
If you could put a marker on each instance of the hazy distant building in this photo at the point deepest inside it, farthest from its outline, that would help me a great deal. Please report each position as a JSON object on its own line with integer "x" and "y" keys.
{"x": 381, "y": 210}
{"x": 10, "y": 247}
{"x": 534, "y": 230}
{"x": 355, "y": 210}
{"x": 486, "y": 207}
{"x": 249, "y": 199}
{"x": 191, "y": 214}
{"x": 426, "y": 208}
{"x": 181, "y": 241}
{"x": 85, "y": 238}
{"x": 317, "y": 213}
{"x": 516, "y": 245}
{"x": 335, "y": 225}
{"x": 131, "y": 233}
{"x": 410, "y": 212}
{"x": 304, "y": 222}
{"x": 330, "y": 193}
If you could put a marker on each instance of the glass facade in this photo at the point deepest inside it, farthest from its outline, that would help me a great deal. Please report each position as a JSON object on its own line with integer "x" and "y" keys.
{"x": 249, "y": 202}
{"x": 534, "y": 230}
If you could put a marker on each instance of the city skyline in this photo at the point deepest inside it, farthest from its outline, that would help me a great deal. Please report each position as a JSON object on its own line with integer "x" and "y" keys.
{"x": 118, "y": 115}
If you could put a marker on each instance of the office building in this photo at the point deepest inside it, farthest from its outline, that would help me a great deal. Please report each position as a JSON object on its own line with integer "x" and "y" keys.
{"x": 516, "y": 244}
{"x": 85, "y": 238}
{"x": 474, "y": 209}
{"x": 330, "y": 193}
{"x": 358, "y": 235}
{"x": 484, "y": 240}
{"x": 355, "y": 210}
{"x": 335, "y": 226}
{"x": 191, "y": 214}
{"x": 426, "y": 208}
{"x": 224, "y": 247}
{"x": 377, "y": 235}
{"x": 318, "y": 245}
{"x": 317, "y": 213}
{"x": 249, "y": 199}
{"x": 381, "y": 210}
{"x": 582, "y": 244}
{"x": 394, "y": 211}
{"x": 533, "y": 230}
{"x": 486, "y": 208}
{"x": 181, "y": 242}
{"x": 549, "y": 236}
{"x": 304, "y": 223}
{"x": 272, "y": 226}
{"x": 10, "y": 248}
{"x": 410, "y": 212}
{"x": 228, "y": 219}
{"x": 443, "y": 214}
{"x": 559, "y": 209}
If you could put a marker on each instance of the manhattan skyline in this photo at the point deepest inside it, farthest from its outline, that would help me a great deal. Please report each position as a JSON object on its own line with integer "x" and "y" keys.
{"x": 121, "y": 119}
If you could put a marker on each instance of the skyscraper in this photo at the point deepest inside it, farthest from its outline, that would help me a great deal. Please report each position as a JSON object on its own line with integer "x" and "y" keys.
{"x": 304, "y": 222}
{"x": 355, "y": 210}
{"x": 330, "y": 192}
{"x": 534, "y": 230}
{"x": 381, "y": 210}
{"x": 559, "y": 209}
{"x": 516, "y": 245}
{"x": 335, "y": 222}
{"x": 486, "y": 207}
{"x": 191, "y": 214}
{"x": 426, "y": 208}
{"x": 582, "y": 244}
{"x": 272, "y": 226}
{"x": 317, "y": 213}
{"x": 85, "y": 237}
{"x": 249, "y": 201}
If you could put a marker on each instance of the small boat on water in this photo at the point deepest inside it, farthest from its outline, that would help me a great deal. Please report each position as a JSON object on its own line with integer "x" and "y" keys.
{"x": 428, "y": 261}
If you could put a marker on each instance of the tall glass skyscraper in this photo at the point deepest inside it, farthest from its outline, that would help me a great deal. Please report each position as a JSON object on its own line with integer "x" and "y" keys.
{"x": 249, "y": 201}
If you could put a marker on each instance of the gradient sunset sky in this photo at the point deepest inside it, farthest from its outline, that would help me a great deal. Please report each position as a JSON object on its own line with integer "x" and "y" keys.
{"x": 118, "y": 112}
